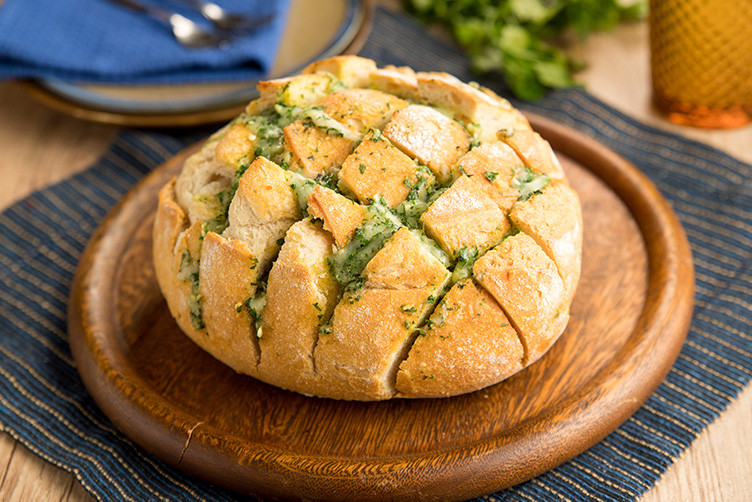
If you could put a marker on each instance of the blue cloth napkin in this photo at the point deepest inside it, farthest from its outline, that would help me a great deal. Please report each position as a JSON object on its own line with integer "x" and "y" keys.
{"x": 100, "y": 41}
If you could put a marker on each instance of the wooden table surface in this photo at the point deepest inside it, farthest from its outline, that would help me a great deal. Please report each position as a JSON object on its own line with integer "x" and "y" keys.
{"x": 40, "y": 146}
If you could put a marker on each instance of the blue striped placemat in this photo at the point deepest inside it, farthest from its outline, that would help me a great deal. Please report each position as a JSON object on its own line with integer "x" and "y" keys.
{"x": 44, "y": 406}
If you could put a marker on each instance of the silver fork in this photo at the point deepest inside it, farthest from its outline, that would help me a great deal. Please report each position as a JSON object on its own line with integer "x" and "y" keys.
{"x": 187, "y": 32}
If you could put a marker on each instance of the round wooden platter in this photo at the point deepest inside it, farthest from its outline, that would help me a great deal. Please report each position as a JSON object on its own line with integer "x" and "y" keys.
{"x": 629, "y": 319}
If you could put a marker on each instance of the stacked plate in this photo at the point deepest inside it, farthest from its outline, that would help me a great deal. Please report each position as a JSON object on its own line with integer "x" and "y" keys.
{"x": 314, "y": 30}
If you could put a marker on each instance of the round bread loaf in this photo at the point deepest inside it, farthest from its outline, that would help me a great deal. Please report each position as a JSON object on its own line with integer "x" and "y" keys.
{"x": 368, "y": 233}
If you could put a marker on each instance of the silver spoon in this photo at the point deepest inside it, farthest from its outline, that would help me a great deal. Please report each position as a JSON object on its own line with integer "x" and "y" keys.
{"x": 228, "y": 21}
{"x": 187, "y": 32}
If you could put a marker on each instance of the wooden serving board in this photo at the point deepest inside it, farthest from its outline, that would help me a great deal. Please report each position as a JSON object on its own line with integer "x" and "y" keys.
{"x": 629, "y": 319}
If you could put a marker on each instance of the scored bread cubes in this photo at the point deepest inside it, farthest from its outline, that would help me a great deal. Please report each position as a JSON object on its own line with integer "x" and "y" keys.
{"x": 361, "y": 110}
{"x": 313, "y": 151}
{"x": 469, "y": 344}
{"x": 493, "y": 166}
{"x": 369, "y": 233}
{"x": 378, "y": 168}
{"x": 374, "y": 323}
{"x": 340, "y": 215}
{"x": 526, "y": 284}
{"x": 553, "y": 218}
{"x": 428, "y": 136}
{"x": 465, "y": 216}
{"x": 300, "y": 293}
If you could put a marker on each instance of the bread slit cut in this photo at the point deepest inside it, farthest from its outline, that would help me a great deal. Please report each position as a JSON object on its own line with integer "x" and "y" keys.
{"x": 375, "y": 323}
{"x": 184, "y": 295}
{"x": 534, "y": 151}
{"x": 230, "y": 325}
{"x": 170, "y": 226}
{"x": 553, "y": 218}
{"x": 263, "y": 208}
{"x": 467, "y": 344}
{"x": 300, "y": 297}
{"x": 203, "y": 176}
{"x": 527, "y": 285}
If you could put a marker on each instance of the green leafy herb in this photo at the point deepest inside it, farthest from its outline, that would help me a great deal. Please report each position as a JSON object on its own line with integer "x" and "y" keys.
{"x": 188, "y": 272}
{"x": 527, "y": 182}
{"x": 380, "y": 224}
{"x": 329, "y": 180}
{"x": 255, "y": 305}
{"x": 466, "y": 257}
{"x": 220, "y": 202}
{"x": 418, "y": 199}
{"x": 513, "y": 36}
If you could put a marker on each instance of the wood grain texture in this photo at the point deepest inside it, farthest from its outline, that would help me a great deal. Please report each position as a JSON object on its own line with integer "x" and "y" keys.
{"x": 629, "y": 319}
{"x": 39, "y": 146}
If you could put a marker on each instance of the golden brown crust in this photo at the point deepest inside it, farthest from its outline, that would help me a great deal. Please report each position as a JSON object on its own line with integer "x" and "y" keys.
{"x": 535, "y": 152}
{"x": 377, "y": 167}
{"x": 299, "y": 90}
{"x": 469, "y": 345}
{"x": 249, "y": 250}
{"x": 472, "y": 105}
{"x": 398, "y": 81}
{"x": 526, "y": 283}
{"x": 373, "y": 326}
{"x": 227, "y": 278}
{"x": 492, "y": 165}
{"x": 403, "y": 263}
{"x": 465, "y": 216}
{"x": 169, "y": 223}
{"x": 554, "y": 219}
{"x": 429, "y": 136}
{"x": 313, "y": 151}
{"x": 263, "y": 208}
{"x": 179, "y": 292}
{"x": 292, "y": 315}
{"x": 353, "y": 71}
{"x": 340, "y": 215}
{"x": 370, "y": 332}
{"x": 361, "y": 109}
{"x": 235, "y": 144}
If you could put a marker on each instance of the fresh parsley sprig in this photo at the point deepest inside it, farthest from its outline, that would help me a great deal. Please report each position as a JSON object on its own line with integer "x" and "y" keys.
{"x": 513, "y": 36}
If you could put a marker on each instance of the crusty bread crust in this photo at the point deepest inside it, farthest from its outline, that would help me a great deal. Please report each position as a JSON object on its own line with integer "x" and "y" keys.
{"x": 429, "y": 136}
{"x": 228, "y": 272}
{"x": 301, "y": 294}
{"x": 367, "y": 233}
{"x": 469, "y": 345}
